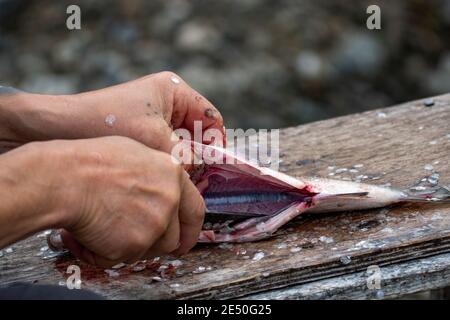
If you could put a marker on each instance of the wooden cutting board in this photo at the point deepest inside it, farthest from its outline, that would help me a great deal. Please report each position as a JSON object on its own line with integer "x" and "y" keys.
{"x": 400, "y": 146}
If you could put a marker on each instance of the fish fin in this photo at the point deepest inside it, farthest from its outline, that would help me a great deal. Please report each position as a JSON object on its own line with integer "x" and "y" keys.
{"x": 438, "y": 195}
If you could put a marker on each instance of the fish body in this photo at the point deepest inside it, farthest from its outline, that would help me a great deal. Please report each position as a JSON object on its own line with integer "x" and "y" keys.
{"x": 274, "y": 198}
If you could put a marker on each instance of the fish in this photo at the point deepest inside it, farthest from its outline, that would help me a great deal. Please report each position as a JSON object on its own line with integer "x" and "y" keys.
{"x": 256, "y": 201}
{"x": 246, "y": 202}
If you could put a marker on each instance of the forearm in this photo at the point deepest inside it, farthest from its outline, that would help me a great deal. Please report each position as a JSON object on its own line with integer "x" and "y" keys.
{"x": 26, "y": 117}
{"x": 27, "y": 200}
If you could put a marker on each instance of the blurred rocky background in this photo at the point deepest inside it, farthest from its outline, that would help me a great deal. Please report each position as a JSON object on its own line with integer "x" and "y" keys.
{"x": 264, "y": 63}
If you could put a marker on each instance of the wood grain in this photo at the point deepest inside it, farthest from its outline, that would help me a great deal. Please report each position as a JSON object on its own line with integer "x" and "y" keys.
{"x": 396, "y": 280}
{"x": 393, "y": 144}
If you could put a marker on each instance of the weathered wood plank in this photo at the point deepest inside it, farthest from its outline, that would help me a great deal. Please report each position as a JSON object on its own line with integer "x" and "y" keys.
{"x": 393, "y": 144}
{"x": 396, "y": 280}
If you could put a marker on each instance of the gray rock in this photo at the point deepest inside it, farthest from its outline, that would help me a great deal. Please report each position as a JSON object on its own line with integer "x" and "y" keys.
{"x": 203, "y": 78}
{"x": 110, "y": 65}
{"x": 359, "y": 52}
{"x": 310, "y": 65}
{"x": 438, "y": 81}
{"x": 172, "y": 13}
{"x": 32, "y": 63}
{"x": 67, "y": 53}
{"x": 123, "y": 33}
{"x": 50, "y": 83}
{"x": 305, "y": 110}
{"x": 196, "y": 36}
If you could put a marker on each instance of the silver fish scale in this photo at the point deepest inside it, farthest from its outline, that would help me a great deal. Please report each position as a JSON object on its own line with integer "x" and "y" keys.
{"x": 213, "y": 200}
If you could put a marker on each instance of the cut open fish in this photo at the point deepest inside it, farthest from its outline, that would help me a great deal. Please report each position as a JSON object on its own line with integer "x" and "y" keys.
{"x": 235, "y": 187}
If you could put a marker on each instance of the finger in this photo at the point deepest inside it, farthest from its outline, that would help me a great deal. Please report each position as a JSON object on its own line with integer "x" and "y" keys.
{"x": 168, "y": 140}
{"x": 85, "y": 255}
{"x": 191, "y": 214}
{"x": 190, "y": 106}
{"x": 78, "y": 250}
{"x": 170, "y": 240}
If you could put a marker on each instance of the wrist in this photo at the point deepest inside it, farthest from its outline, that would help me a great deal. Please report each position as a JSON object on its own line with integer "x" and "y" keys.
{"x": 28, "y": 191}
{"x": 57, "y": 167}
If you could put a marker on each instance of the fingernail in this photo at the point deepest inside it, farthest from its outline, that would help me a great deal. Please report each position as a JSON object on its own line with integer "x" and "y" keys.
{"x": 55, "y": 241}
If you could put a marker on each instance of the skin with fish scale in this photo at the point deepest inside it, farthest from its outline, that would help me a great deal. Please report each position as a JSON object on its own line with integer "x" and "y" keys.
{"x": 239, "y": 186}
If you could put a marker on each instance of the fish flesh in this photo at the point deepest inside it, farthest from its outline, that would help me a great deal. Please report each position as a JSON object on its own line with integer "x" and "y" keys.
{"x": 236, "y": 187}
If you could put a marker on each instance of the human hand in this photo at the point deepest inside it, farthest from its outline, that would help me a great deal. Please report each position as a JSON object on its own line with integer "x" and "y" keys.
{"x": 123, "y": 201}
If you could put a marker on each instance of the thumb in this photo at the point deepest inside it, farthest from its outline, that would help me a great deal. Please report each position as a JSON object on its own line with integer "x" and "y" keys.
{"x": 63, "y": 239}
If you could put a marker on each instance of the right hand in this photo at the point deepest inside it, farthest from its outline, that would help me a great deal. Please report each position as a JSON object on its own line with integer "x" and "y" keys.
{"x": 123, "y": 202}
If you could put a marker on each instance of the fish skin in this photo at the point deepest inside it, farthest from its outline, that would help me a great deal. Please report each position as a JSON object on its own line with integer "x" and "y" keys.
{"x": 326, "y": 195}
{"x": 328, "y": 200}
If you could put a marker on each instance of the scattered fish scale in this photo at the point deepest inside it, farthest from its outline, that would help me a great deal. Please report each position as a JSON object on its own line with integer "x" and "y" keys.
{"x": 157, "y": 279}
{"x": 112, "y": 273}
{"x": 118, "y": 266}
{"x": 428, "y": 102}
{"x": 258, "y": 256}
{"x": 345, "y": 260}
{"x": 199, "y": 269}
{"x": 326, "y": 239}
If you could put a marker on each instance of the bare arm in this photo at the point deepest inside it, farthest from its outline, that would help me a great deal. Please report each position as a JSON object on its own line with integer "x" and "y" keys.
{"x": 146, "y": 110}
{"x": 24, "y": 189}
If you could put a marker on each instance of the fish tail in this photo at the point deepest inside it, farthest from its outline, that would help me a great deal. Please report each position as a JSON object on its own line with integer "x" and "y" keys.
{"x": 438, "y": 195}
